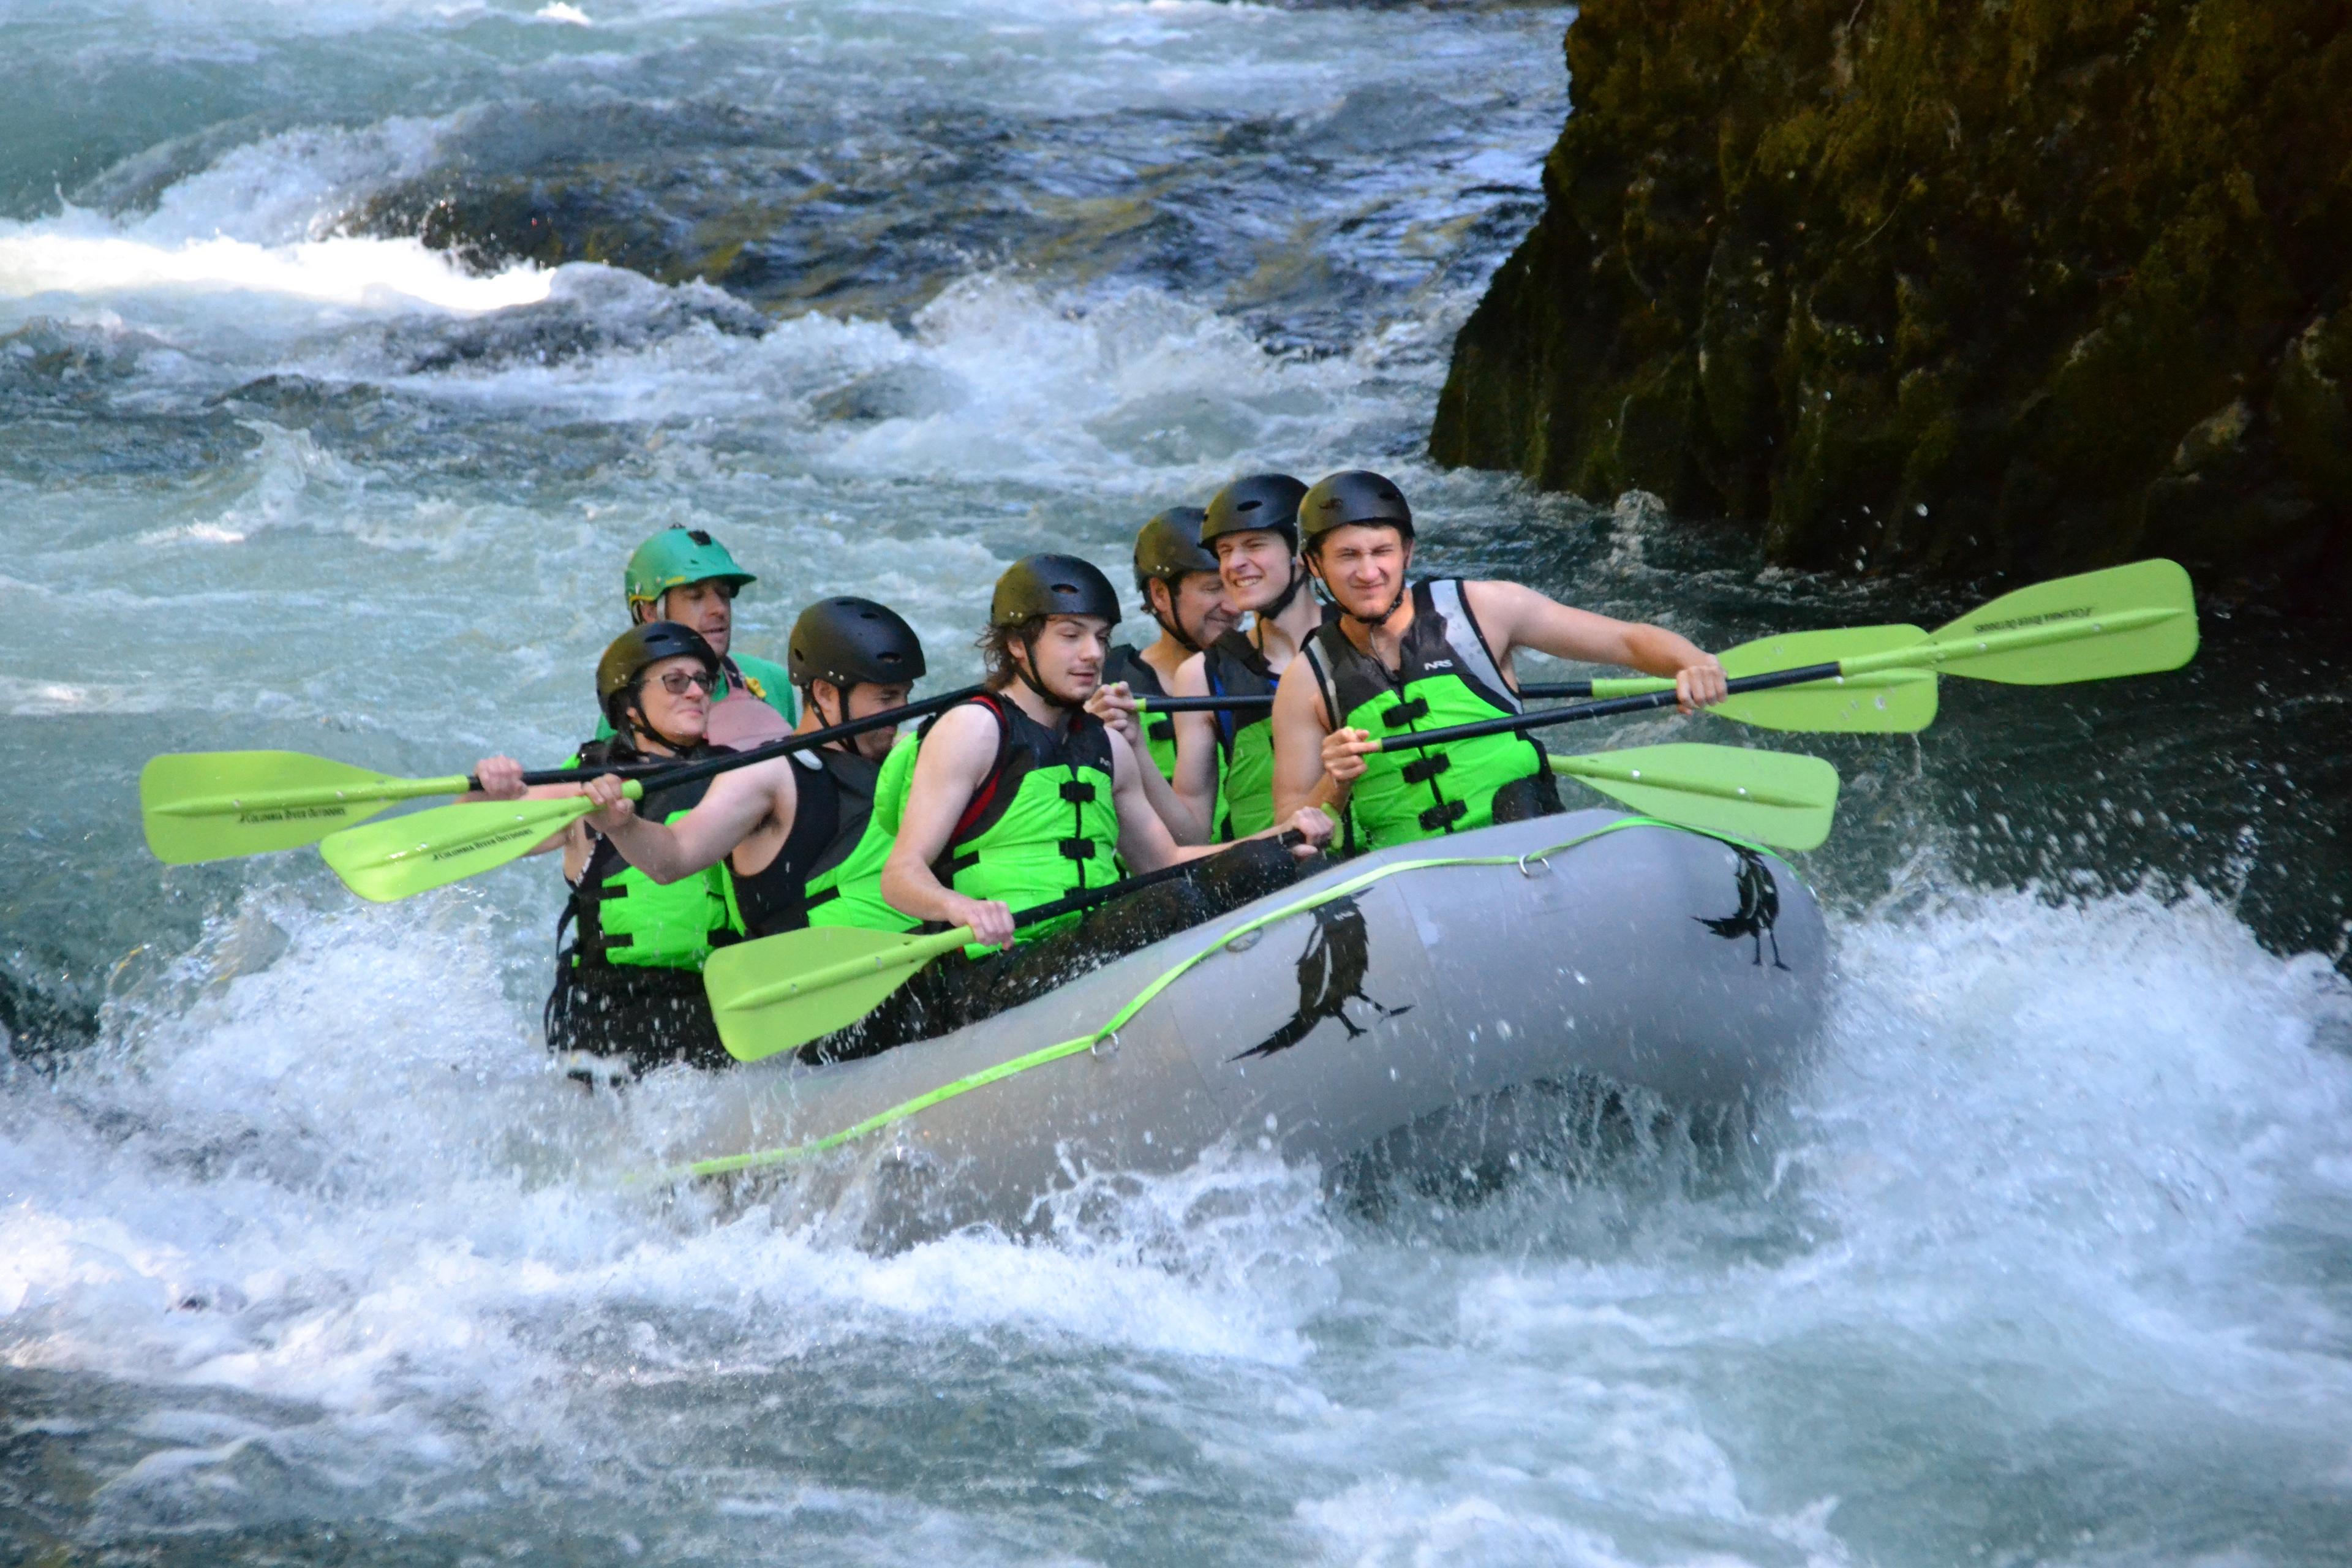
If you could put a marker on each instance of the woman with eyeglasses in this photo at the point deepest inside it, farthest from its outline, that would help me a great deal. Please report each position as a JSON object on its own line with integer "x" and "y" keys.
{"x": 630, "y": 982}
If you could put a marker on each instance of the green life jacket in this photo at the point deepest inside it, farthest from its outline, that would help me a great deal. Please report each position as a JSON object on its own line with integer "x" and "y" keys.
{"x": 835, "y": 802}
{"x": 849, "y": 893}
{"x": 1445, "y": 675}
{"x": 626, "y": 918}
{"x": 1043, "y": 823}
{"x": 762, "y": 678}
{"x": 1236, "y": 666}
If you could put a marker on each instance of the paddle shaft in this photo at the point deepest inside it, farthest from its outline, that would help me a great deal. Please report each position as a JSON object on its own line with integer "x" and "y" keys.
{"x": 668, "y": 776}
{"x": 1553, "y": 689}
{"x": 1510, "y": 722}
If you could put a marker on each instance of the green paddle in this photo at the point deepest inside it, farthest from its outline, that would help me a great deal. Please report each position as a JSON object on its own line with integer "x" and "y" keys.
{"x": 427, "y": 849}
{"x": 779, "y": 993}
{"x": 2125, "y": 620}
{"x": 213, "y": 805}
{"x": 1781, "y": 798}
{"x": 383, "y": 861}
{"x": 1881, "y": 702}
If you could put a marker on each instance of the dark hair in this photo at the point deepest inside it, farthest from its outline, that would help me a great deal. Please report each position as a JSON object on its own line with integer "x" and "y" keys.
{"x": 995, "y": 646}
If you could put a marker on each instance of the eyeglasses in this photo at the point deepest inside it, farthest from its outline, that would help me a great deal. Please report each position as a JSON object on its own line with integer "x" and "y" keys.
{"x": 676, "y": 680}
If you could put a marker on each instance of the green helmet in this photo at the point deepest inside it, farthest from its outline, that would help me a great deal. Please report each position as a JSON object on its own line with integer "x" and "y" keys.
{"x": 1268, "y": 501}
{"x": 1353, "y": 496}
{"x": 1037, "y": 586}
{"x": 674, "y": 557}
{"x": 629, "y": 656}
{"x": 1169, "y": 548}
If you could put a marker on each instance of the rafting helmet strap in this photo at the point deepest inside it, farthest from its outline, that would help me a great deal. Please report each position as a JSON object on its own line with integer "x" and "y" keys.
{"x": 1170, "y": 622}
{"x": 1023, "y": 669}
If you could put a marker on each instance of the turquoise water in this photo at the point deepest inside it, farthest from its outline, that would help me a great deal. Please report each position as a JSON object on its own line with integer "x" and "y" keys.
{"x": 305, "y": 1256}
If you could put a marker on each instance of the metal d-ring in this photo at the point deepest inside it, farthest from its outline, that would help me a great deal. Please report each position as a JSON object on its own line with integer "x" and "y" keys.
{"x": 1542, "y": 860}
{"x": 1108, "y": 1045}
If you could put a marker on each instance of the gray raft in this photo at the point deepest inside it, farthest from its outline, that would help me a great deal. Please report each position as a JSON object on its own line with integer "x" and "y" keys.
{"x": 1318, "y": 1022}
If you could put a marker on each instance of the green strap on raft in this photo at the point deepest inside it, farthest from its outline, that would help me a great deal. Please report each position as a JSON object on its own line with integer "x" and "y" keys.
{"x": 732, "y": 1164}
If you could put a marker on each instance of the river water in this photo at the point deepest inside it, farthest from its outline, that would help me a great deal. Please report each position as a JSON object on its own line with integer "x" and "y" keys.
{"x": 305, "y": 1256}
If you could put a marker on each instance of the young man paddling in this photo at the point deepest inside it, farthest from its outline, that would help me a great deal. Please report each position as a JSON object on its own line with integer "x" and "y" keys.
{"x": 1401, "y": 657}
{"x": 1184, "y": 593}
{"x": 630, "y": 984}
{"x": 1253, "y": 527}
{"x": 1020, "y": 796}
{"x": 794, "y": 832}
{"x": 683, "y": 574}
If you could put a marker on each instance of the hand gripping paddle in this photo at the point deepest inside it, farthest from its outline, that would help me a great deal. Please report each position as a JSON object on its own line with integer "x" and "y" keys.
{"x": 426, "y": 849}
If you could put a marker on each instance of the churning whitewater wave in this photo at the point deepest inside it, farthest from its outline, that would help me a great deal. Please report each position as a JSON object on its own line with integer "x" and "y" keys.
{"x": 2056, "y": 1169}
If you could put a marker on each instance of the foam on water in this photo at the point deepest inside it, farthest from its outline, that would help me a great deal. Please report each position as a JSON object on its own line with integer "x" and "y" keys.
{"x": 2048, "y": 1178}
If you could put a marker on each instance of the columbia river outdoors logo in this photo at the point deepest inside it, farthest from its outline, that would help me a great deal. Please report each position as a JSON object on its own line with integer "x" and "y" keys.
{"x": 1331, "y": 976}
{"x": 1759, "y": 907}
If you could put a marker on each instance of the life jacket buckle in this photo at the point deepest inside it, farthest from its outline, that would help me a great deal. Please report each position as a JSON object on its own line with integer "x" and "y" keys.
{"x": 1406, "y": 713}
{"x": 1078, "y": 792}
{"x": 1076, "y": 849}
{"x": 1426, "y": 767}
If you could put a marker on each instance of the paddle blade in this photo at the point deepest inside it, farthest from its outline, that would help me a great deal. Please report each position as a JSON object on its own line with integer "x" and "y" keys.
{"x": 1781, "y": 798}
{"x": 1882, "y": 703}
{"x": 213, "y": 805}
{"x": 781, "y": 992}
{"x": 387, "y": 860}
{"x": 2127, "y": 620}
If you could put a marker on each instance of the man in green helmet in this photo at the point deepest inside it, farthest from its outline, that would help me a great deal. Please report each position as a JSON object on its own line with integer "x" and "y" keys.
{"x": 1021, "y": 797}
{"x": 1183, "y": 594}
{"x": 684, "y": 575}
{"x": 1253, "y": 527}
{"x": 1401, "y": 657}
{"x": 798, "y": 834}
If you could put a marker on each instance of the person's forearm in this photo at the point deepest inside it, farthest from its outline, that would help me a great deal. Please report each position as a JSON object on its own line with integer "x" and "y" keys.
{"x": 1654, "y": 650}
{"x": 652, "y": 847}
{"x": 913, "y": 890}
{"x": 1185, "y": 823}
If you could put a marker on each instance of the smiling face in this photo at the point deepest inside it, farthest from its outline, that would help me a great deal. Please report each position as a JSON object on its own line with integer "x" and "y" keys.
{"x": 1255, "y": 567}
{"x": 1198, "y": 605}
{"x": 1070, "y": 651}
{"x": 1363, "y": 565}
{"x": 708, "y": 607}
{"x": 678, "y": 718}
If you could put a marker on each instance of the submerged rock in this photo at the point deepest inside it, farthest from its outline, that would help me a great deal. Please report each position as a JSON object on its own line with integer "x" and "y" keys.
{"x": 2027, "y": 285}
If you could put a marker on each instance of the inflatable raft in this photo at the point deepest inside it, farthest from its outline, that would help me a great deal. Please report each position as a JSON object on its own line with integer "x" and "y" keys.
{"x": 1388, "y": 989}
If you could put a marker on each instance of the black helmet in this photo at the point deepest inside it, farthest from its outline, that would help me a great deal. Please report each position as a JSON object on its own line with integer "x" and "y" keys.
{"x": 1037, "y": 586}
{"x": 1169, "y": 548}
{"x": 1353, "y": 496}
{"x": 1262, "y": 501}
{"x": 847, "y": 640}
{"x": 629, "y": 656}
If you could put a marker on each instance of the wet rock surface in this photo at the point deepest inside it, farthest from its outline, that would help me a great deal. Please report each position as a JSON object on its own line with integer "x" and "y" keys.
{"x": 2023, "y": 287}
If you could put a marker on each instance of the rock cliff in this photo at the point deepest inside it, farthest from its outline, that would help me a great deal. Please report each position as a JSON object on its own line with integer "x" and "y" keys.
{"x": 2029, "y": 285}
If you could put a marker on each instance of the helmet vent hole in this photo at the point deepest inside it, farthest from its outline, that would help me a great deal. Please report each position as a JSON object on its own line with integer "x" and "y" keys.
{"x": 699, "y": 536}
{"x": 1249, "y": 506}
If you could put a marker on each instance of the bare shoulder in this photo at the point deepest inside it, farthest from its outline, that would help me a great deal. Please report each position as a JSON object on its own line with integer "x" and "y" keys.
{"x": 1297, "y": 694}
{"x": 1191, "y": 678}
{"x": 963, "y": 740}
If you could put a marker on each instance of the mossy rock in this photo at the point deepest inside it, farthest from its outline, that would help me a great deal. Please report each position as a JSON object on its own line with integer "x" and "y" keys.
{"x": 2018, "y": 285}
